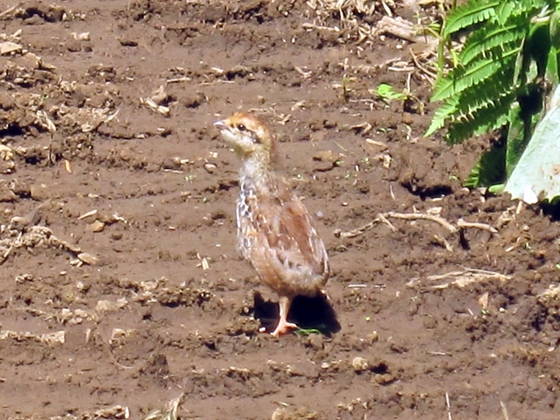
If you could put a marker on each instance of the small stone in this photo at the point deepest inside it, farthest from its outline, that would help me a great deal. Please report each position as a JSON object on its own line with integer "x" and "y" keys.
{"x": 74, "y": 45}
{"x": 108, "y": 306}
{"x": 153, "y": 167}
{"x": 8, "y": 47}
{"x": 83, "y": 36}
{"x": 128, "y": 42}
{"x": 316, "y": 341}
{"x": 358, "y": 343}
{"x": 96, "y": 226}
{"x": 87, "y": 258}
{"x": 173, "y": 164}
{"x": 24, "y": 278}
{"x": 385, "y": 379}
{"x": 194, "y": 100}
{"x": 373, "y": 337}
{"x": 6, "y": 194}
{"x": 39, "y": 192}
{"x": 430, "y": 323}
{"x": 326, "y": 160}
{"x": 210, "y": 168}
{"x": 7, "y": 166}
{"x": 360, "y": 364}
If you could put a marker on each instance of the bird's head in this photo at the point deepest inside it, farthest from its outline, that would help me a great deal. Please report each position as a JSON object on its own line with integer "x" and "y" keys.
{"x": 249, "y": 137}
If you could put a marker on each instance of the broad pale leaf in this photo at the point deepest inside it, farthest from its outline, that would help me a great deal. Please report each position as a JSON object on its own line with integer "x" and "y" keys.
{"x": 537, "y": 174}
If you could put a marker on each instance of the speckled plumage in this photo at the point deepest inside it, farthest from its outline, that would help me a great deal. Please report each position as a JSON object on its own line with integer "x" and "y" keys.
{"x": 275, "y": 231}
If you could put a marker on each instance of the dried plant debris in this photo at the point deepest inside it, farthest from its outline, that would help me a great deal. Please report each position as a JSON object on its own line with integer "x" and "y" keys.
{"x": 293, "y": 413}
{"x": 74, "y": 107}
{"x": 159, "y": 101}
{"x": 116, "y": 412}
{"x": 550, "y": 299}
{"x": 461, "y": 278}
{"x": 357, "y": 22}
{"x": 161, "y": 291}
{"x": 57, "y": 337}
{"x": 65, "y": 316}
{"x": 23, "y": 232}
{"x": 183, "y": 296}
{"x": 432, "y": 215}
{"x": 168, "y": 412}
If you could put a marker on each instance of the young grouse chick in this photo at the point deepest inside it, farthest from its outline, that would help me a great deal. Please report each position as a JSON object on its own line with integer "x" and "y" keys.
{"x": 274, "y": 230}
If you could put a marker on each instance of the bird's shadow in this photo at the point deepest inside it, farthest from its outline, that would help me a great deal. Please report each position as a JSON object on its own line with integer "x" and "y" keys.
{"x": 308, "y": 313}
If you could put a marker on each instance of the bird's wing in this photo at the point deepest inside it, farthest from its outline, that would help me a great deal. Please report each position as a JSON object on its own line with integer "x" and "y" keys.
{"x": 290, "y": 233}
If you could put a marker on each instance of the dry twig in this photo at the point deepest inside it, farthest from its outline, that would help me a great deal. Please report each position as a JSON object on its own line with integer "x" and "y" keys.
{"x": 463, "y": 224}
{"x": 504, "y": 410}
{"x": 9, "y": 10}
{"x": 383, "y": 218}
{"x": 461, "y": 278}
{"x": 448, "y": 406}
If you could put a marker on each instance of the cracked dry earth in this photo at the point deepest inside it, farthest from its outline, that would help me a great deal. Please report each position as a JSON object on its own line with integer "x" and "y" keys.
{"x": 120, "y": 285}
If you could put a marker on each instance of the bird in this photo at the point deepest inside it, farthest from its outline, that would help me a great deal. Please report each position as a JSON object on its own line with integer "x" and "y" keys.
{"x": 275, "y": 231}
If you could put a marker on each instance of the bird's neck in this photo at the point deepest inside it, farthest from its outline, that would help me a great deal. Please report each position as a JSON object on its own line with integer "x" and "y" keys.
{"x": 256, "y": 169}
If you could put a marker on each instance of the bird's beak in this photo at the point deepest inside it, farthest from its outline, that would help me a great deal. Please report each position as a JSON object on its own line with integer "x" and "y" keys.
{"x": 221, "y": 125}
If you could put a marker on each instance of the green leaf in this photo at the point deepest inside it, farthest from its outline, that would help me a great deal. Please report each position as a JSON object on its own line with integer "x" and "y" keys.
{"x": 515, "y": 138}
{"x": 305, "y": 332}
{"x": 387, "y": 92}
{"x": 488, "y": 170}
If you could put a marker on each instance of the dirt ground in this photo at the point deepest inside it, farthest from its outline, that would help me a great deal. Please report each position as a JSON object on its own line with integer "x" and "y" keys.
{"x": 120, "y": 285}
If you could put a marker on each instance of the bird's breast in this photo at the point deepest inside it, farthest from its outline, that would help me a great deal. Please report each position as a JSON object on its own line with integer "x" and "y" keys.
{"x": 247, "y": 208}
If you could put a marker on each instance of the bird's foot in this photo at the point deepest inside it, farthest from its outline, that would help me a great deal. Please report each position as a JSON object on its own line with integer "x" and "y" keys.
{"x": 284, "y": 327}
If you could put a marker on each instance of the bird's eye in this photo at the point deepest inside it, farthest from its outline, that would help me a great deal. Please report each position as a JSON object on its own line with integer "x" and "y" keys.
{"x": 241, "y": 127}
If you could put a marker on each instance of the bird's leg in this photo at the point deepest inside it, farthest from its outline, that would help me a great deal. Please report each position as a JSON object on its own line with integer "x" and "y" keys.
{"x": 283, "y": 325}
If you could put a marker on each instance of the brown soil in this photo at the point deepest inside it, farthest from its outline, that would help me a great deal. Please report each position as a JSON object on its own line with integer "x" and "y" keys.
{"x": 120, "y": 282}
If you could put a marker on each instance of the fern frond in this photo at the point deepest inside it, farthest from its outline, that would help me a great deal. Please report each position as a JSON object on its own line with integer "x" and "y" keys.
{"x": 493, "y": 42}
{"x": 489, "y": 117}
{"x": 504, "y": 11}
{"x": 462, "y": 78}
{"x": 478, "y": 98}
{"x": 442, "y": 114}
{"x": 497, "y": 86}
{"x": 469, "y": 14}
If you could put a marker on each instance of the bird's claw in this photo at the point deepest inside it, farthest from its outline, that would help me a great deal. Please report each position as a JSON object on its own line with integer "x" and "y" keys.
{"x": 284, "y": 327}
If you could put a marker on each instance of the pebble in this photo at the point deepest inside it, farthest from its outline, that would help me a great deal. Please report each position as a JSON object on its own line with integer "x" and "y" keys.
{"x": 108, "y": 306}
{"x": 88, "y": 258}
{"x": 96, "y": 226}
{"x": 173, "y": 164}
{"x": 316, "y": 341}
{"x": 373, "y": 337}
{"x": 39, "y": 192}
{"x": 210, "y": 168}
{"x": 116, "y": 236}
{"x": 8, "y": 47}
{"x": 359, "y": 364}
{"x": 6, "y": 194}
